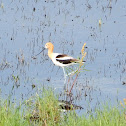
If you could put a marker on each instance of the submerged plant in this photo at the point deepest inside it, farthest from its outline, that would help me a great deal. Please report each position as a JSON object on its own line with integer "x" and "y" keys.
{"x": 16, "y": 78}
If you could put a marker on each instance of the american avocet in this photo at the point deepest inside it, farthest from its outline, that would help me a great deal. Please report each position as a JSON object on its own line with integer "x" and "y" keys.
{"x": 59, "y": 59}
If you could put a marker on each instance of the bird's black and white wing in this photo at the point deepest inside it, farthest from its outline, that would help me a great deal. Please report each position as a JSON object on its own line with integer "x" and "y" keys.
{"x": 65, "y": 59}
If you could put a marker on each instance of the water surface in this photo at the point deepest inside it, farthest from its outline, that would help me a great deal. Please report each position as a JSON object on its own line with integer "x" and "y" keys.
{"x": 25, "y": 26}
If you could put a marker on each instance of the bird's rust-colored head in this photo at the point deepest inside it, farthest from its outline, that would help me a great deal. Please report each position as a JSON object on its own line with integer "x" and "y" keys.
{"x": 50, "y": 48}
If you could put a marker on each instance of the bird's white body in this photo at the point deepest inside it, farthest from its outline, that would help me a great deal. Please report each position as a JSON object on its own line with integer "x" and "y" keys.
{"x": 58, "y": 59}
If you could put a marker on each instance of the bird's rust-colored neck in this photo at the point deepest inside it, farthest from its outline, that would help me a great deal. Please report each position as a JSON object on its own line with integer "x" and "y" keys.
{"x": 50, "y": 51}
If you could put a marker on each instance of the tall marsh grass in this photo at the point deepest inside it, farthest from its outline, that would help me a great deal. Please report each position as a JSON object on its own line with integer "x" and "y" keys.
{"x": 44, "y": 111}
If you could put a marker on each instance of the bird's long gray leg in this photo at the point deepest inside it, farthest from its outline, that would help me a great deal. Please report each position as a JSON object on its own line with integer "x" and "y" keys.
{"x": 65, "y": 75}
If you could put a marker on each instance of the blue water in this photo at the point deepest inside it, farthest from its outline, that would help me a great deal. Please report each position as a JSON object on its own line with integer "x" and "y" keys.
{"x": 25, "y": 26}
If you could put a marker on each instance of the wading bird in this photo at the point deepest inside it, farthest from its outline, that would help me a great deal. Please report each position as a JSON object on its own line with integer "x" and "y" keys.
{"x": 64, "y": 60}
{"x": 59, "y": 59}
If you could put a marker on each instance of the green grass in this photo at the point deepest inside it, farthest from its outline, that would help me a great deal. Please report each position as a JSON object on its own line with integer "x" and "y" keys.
{"x": 105, "y": 117}
{"x": 44, "y": 111}
{"x": 11, "y": 115}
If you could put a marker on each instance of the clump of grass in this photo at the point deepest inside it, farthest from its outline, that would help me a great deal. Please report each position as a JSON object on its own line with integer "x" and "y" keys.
{"x": 44, "y": 111}
{"x": 10, "y": 115}
{"x": 37, "y": 110}
{"x": 108, "y": 116}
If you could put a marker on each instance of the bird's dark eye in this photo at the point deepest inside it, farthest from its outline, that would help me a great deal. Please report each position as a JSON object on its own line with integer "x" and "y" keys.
{"x": 46, "y": 46}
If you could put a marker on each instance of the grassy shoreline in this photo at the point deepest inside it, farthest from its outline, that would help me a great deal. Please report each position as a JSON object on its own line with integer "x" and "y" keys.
{"x": 44, "y": 111}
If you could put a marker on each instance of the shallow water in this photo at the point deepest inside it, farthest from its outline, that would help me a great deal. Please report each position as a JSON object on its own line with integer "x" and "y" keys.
{"x": 26, "y": 26}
